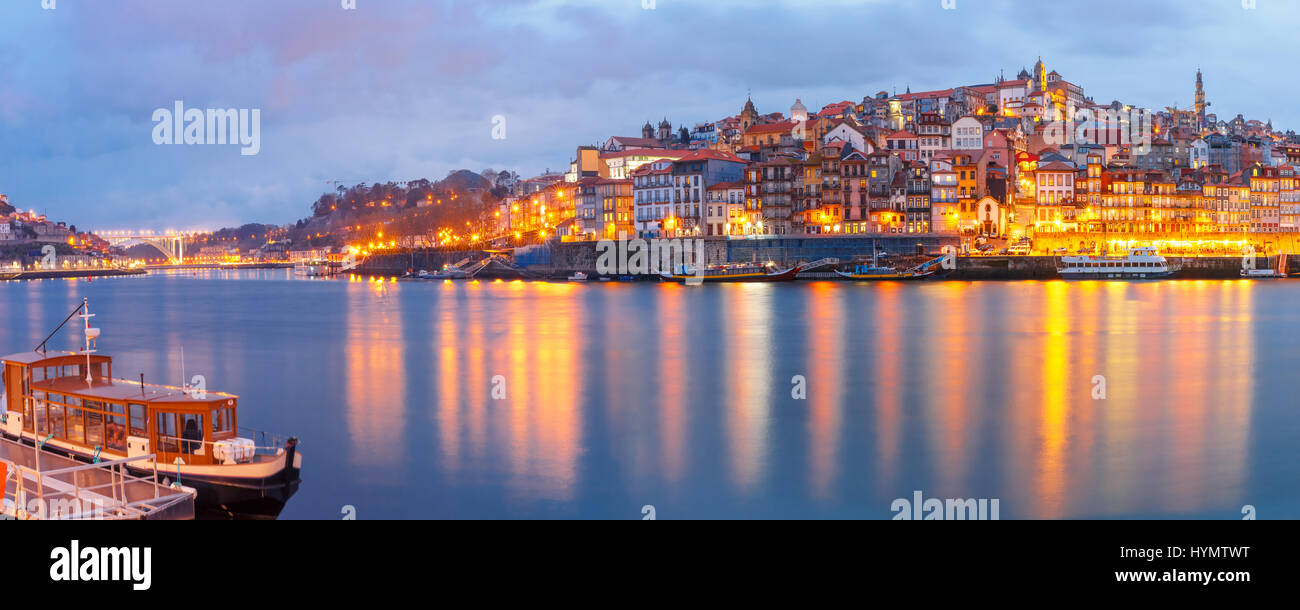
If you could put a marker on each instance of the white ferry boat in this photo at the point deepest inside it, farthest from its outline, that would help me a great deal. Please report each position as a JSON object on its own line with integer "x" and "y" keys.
{"x": 317, "y": 268}
{"x": 1140, "y": 264}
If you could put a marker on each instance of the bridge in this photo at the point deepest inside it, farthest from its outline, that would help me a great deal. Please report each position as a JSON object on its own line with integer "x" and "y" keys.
{"x": 170, "y": 243}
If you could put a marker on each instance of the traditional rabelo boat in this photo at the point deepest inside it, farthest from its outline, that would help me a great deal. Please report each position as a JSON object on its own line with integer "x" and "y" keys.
{"x": 735, "y": 272}
{"x": 868, "y": 273}
{"x": 874, "y": 272}
{"x": 69, "y": 403}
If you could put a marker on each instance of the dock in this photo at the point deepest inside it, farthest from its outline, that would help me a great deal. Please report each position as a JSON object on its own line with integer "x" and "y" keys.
{"x": 40, "y": 485}
{"x": 59, "y": 274}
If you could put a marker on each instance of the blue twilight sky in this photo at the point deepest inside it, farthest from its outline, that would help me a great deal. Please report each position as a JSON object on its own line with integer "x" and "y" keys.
{"x": 403, "y": 89}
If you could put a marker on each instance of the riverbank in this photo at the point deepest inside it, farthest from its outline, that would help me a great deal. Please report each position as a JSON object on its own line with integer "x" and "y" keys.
{"x": 55, "y": 274}
{"x": 556, "y": 260}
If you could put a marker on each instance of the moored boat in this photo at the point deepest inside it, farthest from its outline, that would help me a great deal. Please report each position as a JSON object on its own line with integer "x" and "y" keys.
{"x": 1140, "y": 264}
{"x": 874, "y": 272}
{"x": 69, "y": 403}
{"x": 578, "y": 277}
{"x": 317, "y": 268}
{"x": 733, "y": 272}
{"x": 448, "y": 272}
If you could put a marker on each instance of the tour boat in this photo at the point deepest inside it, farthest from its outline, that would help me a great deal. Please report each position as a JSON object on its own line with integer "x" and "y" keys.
{"x": 1140, "y": 264}
{"x": 733, "y": 272}
{"x": 69, "y": 403}
{"x": 578, "y": 277}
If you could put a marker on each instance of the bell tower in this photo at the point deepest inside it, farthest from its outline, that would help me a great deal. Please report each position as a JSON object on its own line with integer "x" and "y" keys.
{"x": 1201, "y": 104}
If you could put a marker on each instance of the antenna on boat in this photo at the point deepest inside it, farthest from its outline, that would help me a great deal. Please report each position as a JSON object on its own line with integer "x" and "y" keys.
{"x": 40, "y": 349}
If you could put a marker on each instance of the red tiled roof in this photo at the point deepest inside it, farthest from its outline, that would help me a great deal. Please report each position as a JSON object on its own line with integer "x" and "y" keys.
{"x": 1056, "y": 166}
{"x": 705, "y": 154}
{"x": 649, "y": 152}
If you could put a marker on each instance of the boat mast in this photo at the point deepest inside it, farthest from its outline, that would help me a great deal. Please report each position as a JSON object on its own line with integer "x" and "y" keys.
{"x": 91, "y": 334}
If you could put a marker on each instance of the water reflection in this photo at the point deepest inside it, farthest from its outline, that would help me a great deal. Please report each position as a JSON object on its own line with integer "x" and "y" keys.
{"x": 620, "y": 395}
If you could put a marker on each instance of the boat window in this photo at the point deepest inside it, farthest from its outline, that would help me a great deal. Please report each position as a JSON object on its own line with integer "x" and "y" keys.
{"x": 115, "y": 432}
{"x": 72, "y": 401}
{"x": 117, "y": 408}
{"x": 94, "y": 428}
{"x": 166, "y": 426}
{"x": 38, "y": 395}
{"x": 56, "y": 421}
{"x": 138, "y": 425}
{"x": 38, "y": 374}
{"x": 40, "y": 419}
{"x": 221, "y": 421}
{"x": 76, "y": 426}
{"x": 191, "y": 433}
{"x": 56, "y": 398}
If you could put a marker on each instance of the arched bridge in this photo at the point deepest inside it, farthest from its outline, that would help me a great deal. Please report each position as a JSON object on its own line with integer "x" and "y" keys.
{"x": 170, "y": 243}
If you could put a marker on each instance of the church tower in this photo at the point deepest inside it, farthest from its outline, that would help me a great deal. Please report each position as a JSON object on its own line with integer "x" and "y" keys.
{"x": 1201, "y": 104}
{"x": 665, "y": 131}
{"x": 1039, "y": 82}
{"x": 748, "y": 116}
{"x": 647, "y": 131}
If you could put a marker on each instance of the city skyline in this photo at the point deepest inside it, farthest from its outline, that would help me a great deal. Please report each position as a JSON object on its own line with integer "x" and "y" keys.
{"x": 562, "y": 74}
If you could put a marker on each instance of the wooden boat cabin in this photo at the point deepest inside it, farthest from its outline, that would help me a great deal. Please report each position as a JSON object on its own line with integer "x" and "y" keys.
{"x": 47, "y": 396}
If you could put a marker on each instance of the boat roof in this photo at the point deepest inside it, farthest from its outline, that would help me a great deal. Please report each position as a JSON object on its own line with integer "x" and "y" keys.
{"x": 121, "y": 390}
{"x": 103, "y": 388}
{"x": 33, "y": 357}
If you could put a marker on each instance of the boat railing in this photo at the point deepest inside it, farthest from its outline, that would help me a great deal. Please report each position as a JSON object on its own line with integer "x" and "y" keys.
{"x": 89, "y": 491}
{"x": 264, "y": 443}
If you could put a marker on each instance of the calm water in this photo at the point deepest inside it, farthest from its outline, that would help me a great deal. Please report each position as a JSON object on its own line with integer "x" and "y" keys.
{"x": 625, "y": 395}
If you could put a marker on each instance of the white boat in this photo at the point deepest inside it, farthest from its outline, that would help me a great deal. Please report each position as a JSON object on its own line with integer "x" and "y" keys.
{"x": 313, "y": 268}
{"x": 1140, "y": 264}
{"x": 448, "y": 272}
{"x": 578, "y": 277}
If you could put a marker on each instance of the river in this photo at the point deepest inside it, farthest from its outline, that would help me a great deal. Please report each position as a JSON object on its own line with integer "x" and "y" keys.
{"x": 804, "y": 400}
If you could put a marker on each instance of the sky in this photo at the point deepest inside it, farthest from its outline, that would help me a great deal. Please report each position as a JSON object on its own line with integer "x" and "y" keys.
{"x": 405, "y": 89}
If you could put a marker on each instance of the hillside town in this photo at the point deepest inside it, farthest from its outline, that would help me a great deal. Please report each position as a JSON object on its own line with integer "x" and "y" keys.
{"x": 1030, "y": 158}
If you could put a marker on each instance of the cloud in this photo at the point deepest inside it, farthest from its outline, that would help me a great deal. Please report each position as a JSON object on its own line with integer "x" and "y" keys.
{"x": 402, "y": 89}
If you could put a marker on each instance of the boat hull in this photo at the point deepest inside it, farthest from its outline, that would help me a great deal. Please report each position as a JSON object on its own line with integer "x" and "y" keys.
{"x": 262, "y": 496}
{"x": 783, "y": 276}
{"x": 1118, "y": 275}
{"x": 896, "y": 277}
